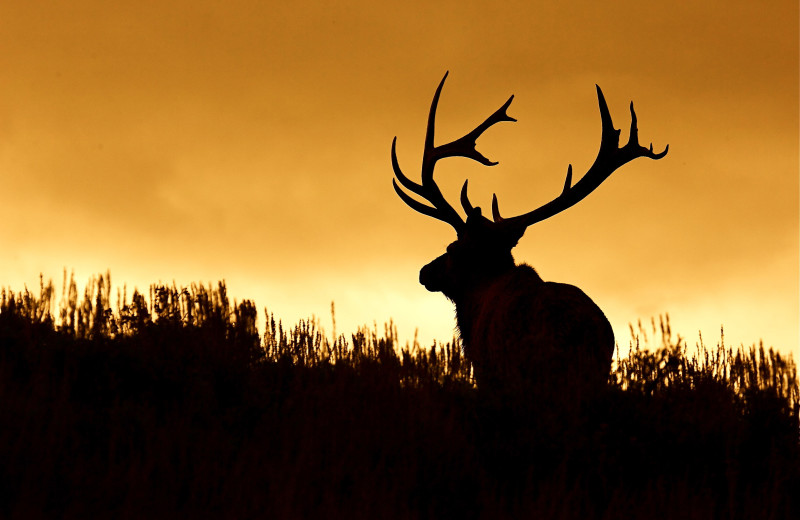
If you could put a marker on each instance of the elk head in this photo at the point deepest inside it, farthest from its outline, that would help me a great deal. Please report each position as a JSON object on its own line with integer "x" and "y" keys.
{"x": 483, "y": 248}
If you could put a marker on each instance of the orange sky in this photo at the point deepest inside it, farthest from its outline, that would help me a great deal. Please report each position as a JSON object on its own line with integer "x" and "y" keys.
{"x": 195, "y": 141}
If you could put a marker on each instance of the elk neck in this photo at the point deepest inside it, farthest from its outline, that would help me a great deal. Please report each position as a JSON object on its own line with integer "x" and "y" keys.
{"x": 492, "y": 295}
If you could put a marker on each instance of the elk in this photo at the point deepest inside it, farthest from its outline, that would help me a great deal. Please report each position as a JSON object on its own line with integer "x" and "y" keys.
{"x": 516, "y": 329}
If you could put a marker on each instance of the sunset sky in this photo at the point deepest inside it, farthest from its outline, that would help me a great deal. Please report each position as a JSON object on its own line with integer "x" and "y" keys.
{"x": 249, "y": 141}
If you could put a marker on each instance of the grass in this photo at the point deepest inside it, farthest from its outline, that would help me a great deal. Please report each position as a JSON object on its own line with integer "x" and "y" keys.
{"x": 172, "y": 404}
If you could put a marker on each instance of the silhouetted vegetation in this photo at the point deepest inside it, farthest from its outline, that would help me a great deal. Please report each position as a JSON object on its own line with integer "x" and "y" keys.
{"x": 171, "y": 404}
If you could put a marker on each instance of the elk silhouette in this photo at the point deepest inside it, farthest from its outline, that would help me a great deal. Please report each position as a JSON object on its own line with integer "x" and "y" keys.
{"x": 516, "y": 328}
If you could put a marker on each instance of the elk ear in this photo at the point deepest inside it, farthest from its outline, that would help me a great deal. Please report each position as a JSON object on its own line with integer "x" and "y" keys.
{"x": 512, "y": 233}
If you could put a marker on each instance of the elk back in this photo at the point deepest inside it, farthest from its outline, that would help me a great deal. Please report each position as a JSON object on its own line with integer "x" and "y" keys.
{"x": 522, "y": 333}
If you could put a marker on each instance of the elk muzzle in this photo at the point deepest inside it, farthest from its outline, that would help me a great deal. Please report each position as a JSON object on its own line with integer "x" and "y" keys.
{"x": 433, "y": 275}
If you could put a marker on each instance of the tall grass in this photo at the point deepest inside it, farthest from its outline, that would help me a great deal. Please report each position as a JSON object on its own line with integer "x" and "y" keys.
{"x": 171, "y": 403}
{"x": 747, "y": 372}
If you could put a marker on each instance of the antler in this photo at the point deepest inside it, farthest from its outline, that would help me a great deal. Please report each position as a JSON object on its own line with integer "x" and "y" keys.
{"x": 462, "y": 147}
{"x": 609, "y": 158}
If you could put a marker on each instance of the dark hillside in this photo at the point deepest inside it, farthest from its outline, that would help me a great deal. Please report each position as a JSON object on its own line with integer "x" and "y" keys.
{"x": 172, "y": 404}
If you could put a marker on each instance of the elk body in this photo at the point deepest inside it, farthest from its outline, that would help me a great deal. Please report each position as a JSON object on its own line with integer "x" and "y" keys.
{"x": 517, "y": 330}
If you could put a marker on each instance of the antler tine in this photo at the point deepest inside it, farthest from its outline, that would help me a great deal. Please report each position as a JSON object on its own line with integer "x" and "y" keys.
{"x": 465, "y": 203}
{"x": 405, "y": 181}
{"x": 633, "y": 140}
{"x": 496, "y": 209}
{"x": 441, "y": 210}
{"x": 610, "y": 157}
{"x": 466, "y": 145}
{"x": 463, "y": 147}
